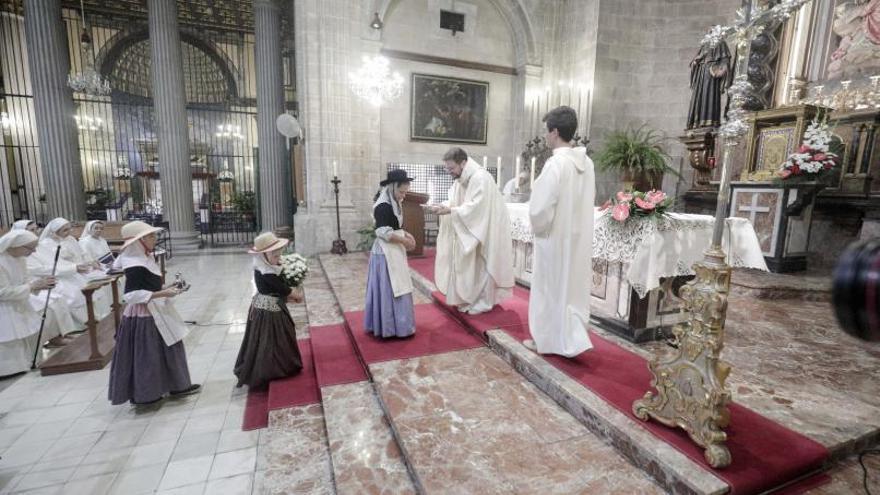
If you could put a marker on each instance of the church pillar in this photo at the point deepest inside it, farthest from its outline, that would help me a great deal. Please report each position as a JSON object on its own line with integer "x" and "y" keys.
{"x": 274, "y": 196}
{"x": 53, "y": 107}
{"x": 169, "y": 102}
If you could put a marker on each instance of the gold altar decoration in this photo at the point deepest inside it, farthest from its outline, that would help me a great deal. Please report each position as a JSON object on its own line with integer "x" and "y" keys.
{"x": 690, "y": 387}
{"x": 690, "y": 384}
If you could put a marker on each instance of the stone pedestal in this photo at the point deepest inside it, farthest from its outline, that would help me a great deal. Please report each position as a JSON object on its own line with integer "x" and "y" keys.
{"x": 700, "y": 144}
{"x": 782, "y": 218}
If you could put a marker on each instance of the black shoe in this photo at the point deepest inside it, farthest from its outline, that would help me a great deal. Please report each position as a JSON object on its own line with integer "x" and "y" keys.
{"x": 148, "y": 403}
{"x": 192, "y": 389}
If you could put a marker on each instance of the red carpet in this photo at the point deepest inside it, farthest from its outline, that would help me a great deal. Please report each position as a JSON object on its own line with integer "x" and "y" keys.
{"x": 436, "y": 332}
{"x": 765, "y": 454}
{"x": 298, "y": 390}
{"x": 335, "y": 359}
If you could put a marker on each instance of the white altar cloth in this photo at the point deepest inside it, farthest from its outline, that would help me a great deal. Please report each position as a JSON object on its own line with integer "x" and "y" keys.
{"x": 656, "y": 248}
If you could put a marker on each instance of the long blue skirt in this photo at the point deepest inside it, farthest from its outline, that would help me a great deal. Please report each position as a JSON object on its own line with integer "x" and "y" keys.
{"x": 386, "y": 315}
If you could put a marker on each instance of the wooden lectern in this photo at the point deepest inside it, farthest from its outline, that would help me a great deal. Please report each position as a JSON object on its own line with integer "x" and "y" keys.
{"x": 414, "y": 219}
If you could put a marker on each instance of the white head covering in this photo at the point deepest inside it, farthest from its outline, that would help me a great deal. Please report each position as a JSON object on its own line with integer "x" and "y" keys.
{"x": 135, "y": 255}
{"x": 21, "y": 224}
{"x": 93, "y": 247}
{"x": 16, "y": 238}
{"x": 52, "y": 228}
{"x": 386, "y": 195}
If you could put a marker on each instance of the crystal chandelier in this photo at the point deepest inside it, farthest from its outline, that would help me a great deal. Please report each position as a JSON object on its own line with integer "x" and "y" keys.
{"x": 374, "y": 81}
{"x": 225, "y": 175}
{"x": 88, "y": 81}
{"x": 229, "y": 131}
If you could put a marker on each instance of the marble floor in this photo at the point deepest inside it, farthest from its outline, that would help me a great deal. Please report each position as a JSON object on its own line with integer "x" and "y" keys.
{"x": 60, "y": 435}
{"x": 458, "y": 422}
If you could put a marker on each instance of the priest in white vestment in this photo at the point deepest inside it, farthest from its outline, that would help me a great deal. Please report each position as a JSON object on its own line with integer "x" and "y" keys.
{"x": 474, "y": 264}
{"x": 561, "y": 213}
{"x": 21, "y": 303}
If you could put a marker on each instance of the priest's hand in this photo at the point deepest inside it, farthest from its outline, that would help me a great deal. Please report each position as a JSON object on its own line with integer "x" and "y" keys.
{"x": 442, "y": 210}
{"x": 43, "y": 284}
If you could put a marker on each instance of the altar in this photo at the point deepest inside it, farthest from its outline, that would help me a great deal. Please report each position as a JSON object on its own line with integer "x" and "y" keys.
{"x": 638, "y": 266}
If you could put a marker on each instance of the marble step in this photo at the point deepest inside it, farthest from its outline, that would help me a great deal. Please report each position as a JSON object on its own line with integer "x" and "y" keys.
{"x": 804, "y": 286}
{"x": 674, "y": 471}
{"x": 293, "y": 456}
{"x": 365, "y": 456}
{"x": 469, "y": 423}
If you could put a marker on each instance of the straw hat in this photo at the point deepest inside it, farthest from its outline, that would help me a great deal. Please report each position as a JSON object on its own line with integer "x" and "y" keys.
{"x": 133, "y": 231}
{"x": 267, "y": 242}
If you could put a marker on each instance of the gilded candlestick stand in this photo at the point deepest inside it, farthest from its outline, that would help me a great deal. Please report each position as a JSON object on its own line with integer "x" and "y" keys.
{"x": 339, "y": 244}
{"x": 690, "y": 382}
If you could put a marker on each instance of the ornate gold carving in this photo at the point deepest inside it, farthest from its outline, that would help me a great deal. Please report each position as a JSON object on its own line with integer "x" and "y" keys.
{"x": 690, "y": 383}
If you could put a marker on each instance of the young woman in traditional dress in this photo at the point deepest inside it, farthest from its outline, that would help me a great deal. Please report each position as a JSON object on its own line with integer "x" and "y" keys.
{"x": 389, "y": 303}
{"x": 19, "y": 302}
{"x": 144, "y": 368}
{"x": 93, "y": 243}
{"x": 269, "y": 350}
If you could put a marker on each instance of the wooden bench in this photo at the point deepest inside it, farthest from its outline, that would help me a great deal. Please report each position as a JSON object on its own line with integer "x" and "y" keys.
{"x": 93, "y": 349}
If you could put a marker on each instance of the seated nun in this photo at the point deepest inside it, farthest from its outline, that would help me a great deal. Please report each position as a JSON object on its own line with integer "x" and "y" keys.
{"x": 25, "y": 224}
{"x": 94, "y": 245}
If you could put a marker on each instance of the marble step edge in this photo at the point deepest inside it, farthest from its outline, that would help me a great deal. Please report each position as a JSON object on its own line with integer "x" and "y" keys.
{"x": 671, "y": 469}
{"x": 338, "y": 464}
{"x": 398, "y": 438}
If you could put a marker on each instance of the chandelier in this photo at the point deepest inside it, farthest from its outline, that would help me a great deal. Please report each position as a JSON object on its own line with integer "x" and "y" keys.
{"x": 229, "y": 131}
{"x": 225, "y": 175}
{"x": 374, "y": 81}
{"x": 88, "y": 81}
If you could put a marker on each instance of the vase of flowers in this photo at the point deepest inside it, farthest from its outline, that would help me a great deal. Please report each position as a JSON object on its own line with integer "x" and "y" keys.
{"x": 627, "y": 204}
{"x": 294, "y": 268}
{"x": 815, "y": 159}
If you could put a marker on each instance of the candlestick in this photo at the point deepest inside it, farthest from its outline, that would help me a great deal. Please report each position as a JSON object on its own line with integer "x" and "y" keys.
{"x": 532, "y": 178}
{"x": 339, "y": 244}
{"x": 516, "y": 174}
{"x": 498, "y": 171}
{"x": 335, "y": 172}
{"x": 485, "y": 161}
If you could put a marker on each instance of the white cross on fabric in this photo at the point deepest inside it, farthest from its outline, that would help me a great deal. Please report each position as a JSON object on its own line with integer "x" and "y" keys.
{"x": 754, "y": 209}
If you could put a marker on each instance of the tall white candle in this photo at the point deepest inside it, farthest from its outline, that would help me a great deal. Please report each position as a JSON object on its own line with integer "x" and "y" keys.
{"x": 532, "y": 178}
{"x": 335, "y": 171}
{"x": 516, "y": 173}
{"x": 498, "y": 171}
{"x": 485, "y": 161}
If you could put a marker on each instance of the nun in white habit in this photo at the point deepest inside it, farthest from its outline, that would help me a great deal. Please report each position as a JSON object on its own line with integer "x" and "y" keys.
{"x": 69, "y": 273}
{"x": 93, "y": 243}
{"x": 21, "y": 301}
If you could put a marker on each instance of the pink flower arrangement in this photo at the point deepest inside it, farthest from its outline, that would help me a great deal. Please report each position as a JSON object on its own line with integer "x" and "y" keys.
{"x": 626, "y": 204}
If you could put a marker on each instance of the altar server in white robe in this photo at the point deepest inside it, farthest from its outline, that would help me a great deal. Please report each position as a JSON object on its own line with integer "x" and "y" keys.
{"x": 474, "y": 264}
{"x": 561, "y": 213}
{"x": 69, "y": 273}
{"x": 21, "y": 301}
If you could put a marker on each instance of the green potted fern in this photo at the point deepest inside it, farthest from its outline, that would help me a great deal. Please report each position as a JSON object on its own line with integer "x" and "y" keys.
{"x": 639, "y": 155}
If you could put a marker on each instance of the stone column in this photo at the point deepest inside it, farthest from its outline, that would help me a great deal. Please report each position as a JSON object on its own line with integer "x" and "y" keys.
{"x": 169, "y": 103}
{"x": 274, "y": 195}
{"x": 53, "y": 107}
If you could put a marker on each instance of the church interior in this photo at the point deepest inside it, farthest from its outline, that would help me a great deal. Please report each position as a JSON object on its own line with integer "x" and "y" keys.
{"x": 731, "y": 283}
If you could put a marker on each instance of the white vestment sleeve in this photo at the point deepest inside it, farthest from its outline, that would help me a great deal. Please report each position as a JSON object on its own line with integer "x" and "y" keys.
{"x": 545, "y": 194}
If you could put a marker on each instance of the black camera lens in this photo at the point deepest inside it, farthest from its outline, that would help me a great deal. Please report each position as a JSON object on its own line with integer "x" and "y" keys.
{"x": 856, "y": 290}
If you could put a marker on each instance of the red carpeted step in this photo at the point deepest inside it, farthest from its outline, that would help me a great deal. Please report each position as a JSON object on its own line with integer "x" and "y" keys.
{"x": 298, "y": 390}
{"x": 336, "y": 361}
{"x": 436, "y": 332}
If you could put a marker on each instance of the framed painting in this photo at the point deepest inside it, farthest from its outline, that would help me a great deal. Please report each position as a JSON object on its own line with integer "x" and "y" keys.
{"x": 449, "y": 110}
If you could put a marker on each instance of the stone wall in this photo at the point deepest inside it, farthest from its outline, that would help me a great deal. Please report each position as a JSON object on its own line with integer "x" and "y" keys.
{"x": 642, "y": 73}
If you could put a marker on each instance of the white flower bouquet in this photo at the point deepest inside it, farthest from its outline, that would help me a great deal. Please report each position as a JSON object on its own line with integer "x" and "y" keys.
{"x": 294, "y": 268}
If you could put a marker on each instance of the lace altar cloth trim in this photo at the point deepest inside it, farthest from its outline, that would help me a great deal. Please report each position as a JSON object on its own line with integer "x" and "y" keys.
{"x": 667, "y": 246}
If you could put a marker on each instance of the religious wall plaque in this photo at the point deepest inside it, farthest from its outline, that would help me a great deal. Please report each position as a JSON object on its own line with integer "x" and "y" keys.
{"x": 774, "y": 134}
{"x": 449, "y": 110}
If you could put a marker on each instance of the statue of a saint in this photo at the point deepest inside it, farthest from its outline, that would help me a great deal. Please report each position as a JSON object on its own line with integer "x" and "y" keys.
{"x": 710, "y": 76}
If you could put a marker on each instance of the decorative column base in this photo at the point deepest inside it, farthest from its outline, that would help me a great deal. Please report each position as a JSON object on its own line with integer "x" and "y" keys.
{"x": 700, "y": 144}
{"x": 690, "y": 384}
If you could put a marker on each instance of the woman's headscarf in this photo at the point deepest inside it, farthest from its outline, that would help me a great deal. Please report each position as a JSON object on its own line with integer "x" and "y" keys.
{"x": 21, "y": 224}
{"x": 52, "y": 228}
{"x": 16, "y": 238}
{"x": 135, "y": 255}
{"x": 386, "y": 195}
